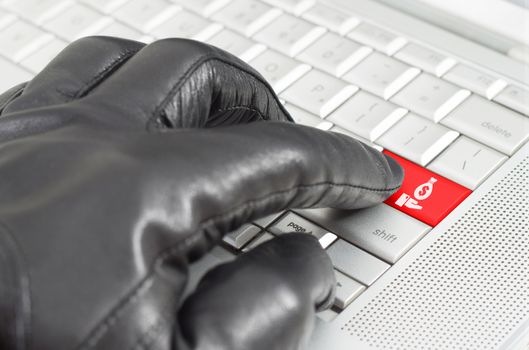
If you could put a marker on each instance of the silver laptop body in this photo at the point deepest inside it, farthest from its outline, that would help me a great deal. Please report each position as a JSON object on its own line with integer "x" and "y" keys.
{"x": 460, "y": 284}
{"x": 466, "y": 284}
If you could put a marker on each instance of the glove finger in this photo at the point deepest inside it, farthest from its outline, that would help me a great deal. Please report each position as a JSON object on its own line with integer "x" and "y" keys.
{"x": 237, "y": 174}
{"x": 179, "y": 83}
{"x": 264, "y": 299}
{"x": 79, "y": 68}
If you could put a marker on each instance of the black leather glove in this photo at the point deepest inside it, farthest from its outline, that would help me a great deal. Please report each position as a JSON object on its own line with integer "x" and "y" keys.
{"x": 120, "y": 164}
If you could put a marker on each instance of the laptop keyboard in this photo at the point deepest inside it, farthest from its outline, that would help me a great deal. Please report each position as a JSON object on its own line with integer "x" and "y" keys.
{"x": 451, "y": 124}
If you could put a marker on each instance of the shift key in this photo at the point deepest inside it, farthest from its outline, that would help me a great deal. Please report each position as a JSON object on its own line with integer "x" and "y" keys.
{"x": 381, "y": 230}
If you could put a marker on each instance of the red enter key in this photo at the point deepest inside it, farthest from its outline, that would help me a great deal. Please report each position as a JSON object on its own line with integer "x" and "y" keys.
{"x": 425, "y": 195}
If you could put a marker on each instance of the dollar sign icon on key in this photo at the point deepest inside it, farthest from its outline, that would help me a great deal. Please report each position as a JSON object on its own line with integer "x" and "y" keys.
{"x": 425, "y": 190}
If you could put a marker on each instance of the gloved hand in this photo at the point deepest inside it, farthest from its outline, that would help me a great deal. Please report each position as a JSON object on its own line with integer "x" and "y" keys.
{"x": 121, "y": 164}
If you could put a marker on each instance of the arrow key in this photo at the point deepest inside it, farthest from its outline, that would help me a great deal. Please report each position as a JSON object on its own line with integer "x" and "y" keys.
{"x": 347, "y": 290}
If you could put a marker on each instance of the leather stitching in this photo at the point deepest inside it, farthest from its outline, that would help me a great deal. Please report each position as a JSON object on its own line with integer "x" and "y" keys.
{"x": 99, "y": 77}
{"x": 105, "y": 72}
{"x": 201, "y": 233}
{"x": 145, "y": 340}
{"x": 110, "y": 320}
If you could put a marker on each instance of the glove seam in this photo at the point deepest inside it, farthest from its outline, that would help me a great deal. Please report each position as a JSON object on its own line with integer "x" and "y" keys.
{"x": 150, "y": 334}
{"x": 105, "y": 72}
{"x": 99, "y": 77}
{"x": 199, "y": 234}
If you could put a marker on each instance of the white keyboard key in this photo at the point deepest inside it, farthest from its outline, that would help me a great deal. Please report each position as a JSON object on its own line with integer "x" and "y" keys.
{"x": 294, "y": 6}
{"x": 144, "y": 15}
{"x": 327, "y": 239}
{"x": 334, "y": 54}
{"x": 467, "y": 162}
{"x": 105, "y": 6}
{"x": 490, "y": 123}
{"x": 381, "y": 230}
{"x": 237, "y": 44}
{"x": 203, "y": 7}
{"x": 20, "y": 39}
{"x": 12, "y": 75}
{"x": 328, "y": 17}
{"x": 328, "y": 315}
{"x": 279, "y": 70}
{"x": 185, "y": 24}
{"x": 516, "y": 98}
{"x": 475, "y": 80}
{"x": 378, "y": 38}
{"x": 356, "y": 137}
{"x": 347, "y": 289}
{"x": 77, "y": 21}
{"x": 426, "y": 59}
{"x": 367, "y": 115}
{"x": 238, "y": 238}
{"x": 289, "y": 34}
{"x": 305, "y": 118}
{"x": 417, "y": 139}
{"x": 356, "y": 263}
{"x": 246, "y": 16}
{"x": 37, "y": 11}
{"x": 6, "y": 18}
{"x": 381, "y": 75}
{"x": 430, "y": 97}
{"x": 291, "y": 222}
{"x": 120, "y": 30}
{"x": 259, "y": 240}
{"x": 318, "y": 92}
{"x": 40, "y": 58}
{"x": 147, "y": 39}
